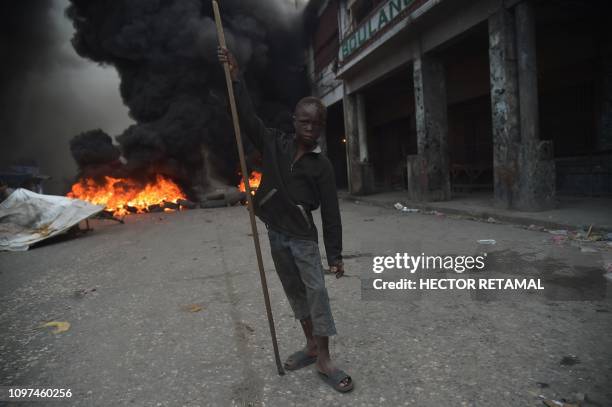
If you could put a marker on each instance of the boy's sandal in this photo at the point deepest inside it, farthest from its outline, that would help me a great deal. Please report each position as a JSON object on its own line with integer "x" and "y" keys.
{"x": 335, "y": 379}
{"x": 299, "y": 360}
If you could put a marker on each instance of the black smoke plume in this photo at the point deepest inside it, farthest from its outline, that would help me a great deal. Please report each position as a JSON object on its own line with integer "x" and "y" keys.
{"x": 173, "y": 85}
{"x": 96, "y": 155}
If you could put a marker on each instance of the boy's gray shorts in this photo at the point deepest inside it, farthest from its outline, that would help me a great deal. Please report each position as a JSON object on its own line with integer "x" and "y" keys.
{"x": 298, "y": 264}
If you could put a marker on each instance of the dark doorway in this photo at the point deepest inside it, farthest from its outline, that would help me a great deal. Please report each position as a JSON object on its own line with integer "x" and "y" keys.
{"x": 336, "y": 143}
{"x": 391, "y": 128}
{"x": 470, "y": 136}
{"x": 574, "y": 61}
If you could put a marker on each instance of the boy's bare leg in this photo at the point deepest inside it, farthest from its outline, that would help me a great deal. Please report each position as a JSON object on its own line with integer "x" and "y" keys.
{"x": 311, "y": 344}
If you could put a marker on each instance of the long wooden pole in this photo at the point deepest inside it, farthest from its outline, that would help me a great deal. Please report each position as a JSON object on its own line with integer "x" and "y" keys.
{"x": 245, "y": 179}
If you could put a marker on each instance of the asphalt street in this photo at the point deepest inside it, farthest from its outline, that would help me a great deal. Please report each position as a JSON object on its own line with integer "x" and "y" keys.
{"x": 167, "y": 310}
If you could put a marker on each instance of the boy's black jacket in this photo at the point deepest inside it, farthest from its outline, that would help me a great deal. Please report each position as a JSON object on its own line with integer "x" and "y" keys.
{"x": 288, "y": 193}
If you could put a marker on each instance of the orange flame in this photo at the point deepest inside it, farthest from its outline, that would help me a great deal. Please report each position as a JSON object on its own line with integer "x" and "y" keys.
{"x": 254, "y": 181}
{"x": 120, "y": 194}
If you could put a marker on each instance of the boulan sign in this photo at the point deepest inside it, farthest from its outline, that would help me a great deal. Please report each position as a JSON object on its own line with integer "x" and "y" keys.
{"x": 380, "y": 19}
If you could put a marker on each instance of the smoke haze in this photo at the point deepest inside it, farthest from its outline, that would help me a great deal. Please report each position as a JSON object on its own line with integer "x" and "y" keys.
{"x": 49, "y": 93}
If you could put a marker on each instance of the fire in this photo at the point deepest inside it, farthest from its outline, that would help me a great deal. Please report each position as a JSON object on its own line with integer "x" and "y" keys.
{"x": 122, "y": 196}
{"x": 254, "y": 180}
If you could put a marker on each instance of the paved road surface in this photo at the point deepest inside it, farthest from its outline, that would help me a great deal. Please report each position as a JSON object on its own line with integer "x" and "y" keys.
{"x": 132, "y": 340}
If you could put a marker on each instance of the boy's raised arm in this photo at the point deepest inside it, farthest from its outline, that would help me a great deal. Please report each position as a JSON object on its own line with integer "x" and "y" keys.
{"x": 250, "y": 123}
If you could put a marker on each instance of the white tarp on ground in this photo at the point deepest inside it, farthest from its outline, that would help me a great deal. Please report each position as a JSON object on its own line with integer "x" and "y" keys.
{"x": 27, "y": 217}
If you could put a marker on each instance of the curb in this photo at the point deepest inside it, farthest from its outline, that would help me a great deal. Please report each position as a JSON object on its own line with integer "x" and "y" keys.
{"x": 475, "y": 215}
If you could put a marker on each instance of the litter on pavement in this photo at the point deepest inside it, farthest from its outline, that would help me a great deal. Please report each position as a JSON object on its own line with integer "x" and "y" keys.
{"x": 403, "y": 208}
{"x": 27, "y": 217}
{"x": 562, "y": 232}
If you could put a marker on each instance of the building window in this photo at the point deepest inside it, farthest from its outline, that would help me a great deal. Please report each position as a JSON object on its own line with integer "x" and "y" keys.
{"x": 325, "y": 38}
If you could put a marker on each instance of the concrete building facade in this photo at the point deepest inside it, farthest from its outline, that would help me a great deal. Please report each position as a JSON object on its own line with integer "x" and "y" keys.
{"x": 440, "y": 96}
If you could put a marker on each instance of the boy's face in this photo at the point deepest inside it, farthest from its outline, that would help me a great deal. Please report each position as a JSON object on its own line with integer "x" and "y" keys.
{"x": 309, "y": 124}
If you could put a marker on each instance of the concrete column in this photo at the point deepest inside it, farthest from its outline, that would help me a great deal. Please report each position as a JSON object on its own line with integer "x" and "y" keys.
{"x": 428, "y": 171}
{"x": 504, "y": 108}
{"x": 362, "y": 128}
{"x": 536, "y": 160}
{"x": 360, "y": 173}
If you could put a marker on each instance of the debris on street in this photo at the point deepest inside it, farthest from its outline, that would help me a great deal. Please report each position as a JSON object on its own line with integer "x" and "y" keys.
{"x": 193, "y": 308}
{"x": 559, "y": 403}
{"x": 60, "y": 326}
{"x": 403, "y": 208}
{"x": 558, "y": 239}
{"x": 27, "y": 218}
{"x": 561, "y": 232}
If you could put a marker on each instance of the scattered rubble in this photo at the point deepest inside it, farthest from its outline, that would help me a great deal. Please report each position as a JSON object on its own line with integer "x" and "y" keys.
{"x": 184, "y": 203}
{"x": 578, "y": 397}
{"x": 403, "y": 208}
{"x": 559, "y": 403}
{"x": 223, "y": 197}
